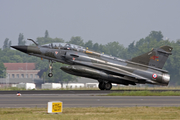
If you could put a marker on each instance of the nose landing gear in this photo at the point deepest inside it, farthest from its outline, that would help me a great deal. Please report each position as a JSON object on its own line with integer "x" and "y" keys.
{"x": 105, "y": 85}
{"x": 51, "y": 68}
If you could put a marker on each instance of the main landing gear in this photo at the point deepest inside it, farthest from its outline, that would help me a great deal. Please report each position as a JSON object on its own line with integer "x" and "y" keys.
{"x": 105, "y": 85}
{"x": 51, "y": 68}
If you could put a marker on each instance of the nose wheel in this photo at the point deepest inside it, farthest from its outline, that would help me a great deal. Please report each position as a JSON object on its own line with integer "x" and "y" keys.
{"x": 51, "y": 68}
{"x": 50, "y": 75}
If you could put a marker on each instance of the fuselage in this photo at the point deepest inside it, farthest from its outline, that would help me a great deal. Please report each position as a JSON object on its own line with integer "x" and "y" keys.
{"x": 87, "y": 63}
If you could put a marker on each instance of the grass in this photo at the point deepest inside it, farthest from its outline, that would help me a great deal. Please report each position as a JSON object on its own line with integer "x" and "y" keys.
{"x": 11, "y": 89}
{"x": 97, "y": 113}
{"x": 145, "y": 93}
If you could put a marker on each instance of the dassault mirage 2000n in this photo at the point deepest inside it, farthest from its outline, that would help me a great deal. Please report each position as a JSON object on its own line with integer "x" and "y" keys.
{"x": 146, "y": 68}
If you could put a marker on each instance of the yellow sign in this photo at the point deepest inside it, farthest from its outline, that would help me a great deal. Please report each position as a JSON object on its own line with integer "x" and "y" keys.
{"x": 57, "y": 107}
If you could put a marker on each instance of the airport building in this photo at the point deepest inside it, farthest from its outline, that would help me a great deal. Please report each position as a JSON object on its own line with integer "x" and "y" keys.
{"x": 21, "y": 70}
{"x": 20, "y": 73}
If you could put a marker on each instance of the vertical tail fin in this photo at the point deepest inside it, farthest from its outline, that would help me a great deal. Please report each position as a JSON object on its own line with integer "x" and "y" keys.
{"x": 156, "y": 57}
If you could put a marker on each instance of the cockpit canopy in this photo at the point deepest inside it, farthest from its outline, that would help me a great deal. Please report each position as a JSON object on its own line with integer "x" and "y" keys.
{"x": 65, "y": 46}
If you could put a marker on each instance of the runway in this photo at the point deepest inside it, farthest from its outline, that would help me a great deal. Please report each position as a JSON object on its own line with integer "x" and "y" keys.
{"x": 94, "y": 92}
{"x": 85, "y": 100}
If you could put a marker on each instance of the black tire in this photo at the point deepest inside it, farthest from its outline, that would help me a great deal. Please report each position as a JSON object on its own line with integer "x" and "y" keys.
{"x": 50, "y": 74}
{"x": 108, "y": 86}
{"x": 101, "y": 85}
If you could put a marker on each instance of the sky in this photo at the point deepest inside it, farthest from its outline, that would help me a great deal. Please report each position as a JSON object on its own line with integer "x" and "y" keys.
{"x": 101, "y": 21}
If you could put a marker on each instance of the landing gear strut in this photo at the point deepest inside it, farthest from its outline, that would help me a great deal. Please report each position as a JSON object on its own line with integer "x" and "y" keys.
{"x": 50, "y": 67}
{"x": 105, "y": 85}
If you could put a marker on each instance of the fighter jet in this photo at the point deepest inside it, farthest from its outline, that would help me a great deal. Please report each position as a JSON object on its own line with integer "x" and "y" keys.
{"x": 143, "y": 69}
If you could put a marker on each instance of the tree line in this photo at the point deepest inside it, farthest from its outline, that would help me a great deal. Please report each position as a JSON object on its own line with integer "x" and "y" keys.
{"x": 153, "y": 40}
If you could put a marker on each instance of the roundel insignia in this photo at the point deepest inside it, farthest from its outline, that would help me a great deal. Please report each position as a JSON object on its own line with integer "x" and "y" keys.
{"x": 56, "y": 52}
{"x": 154, "y": 76}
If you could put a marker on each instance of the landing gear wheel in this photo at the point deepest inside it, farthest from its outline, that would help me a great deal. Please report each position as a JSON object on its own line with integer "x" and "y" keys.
{"x": 101, "y": 85}
{"x": 108, "y": 86}
{"x": 50, "y": 74}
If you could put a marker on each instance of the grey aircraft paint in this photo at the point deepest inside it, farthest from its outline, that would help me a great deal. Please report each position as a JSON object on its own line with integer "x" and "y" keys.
{"x": 146, "y": 68}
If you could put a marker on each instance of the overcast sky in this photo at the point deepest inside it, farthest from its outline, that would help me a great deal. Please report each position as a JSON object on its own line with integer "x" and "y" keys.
{"x": 101, "y": 21}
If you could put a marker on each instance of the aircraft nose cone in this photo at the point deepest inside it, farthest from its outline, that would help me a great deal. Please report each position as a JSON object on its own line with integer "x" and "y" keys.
{"x": 20, "y": 48}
